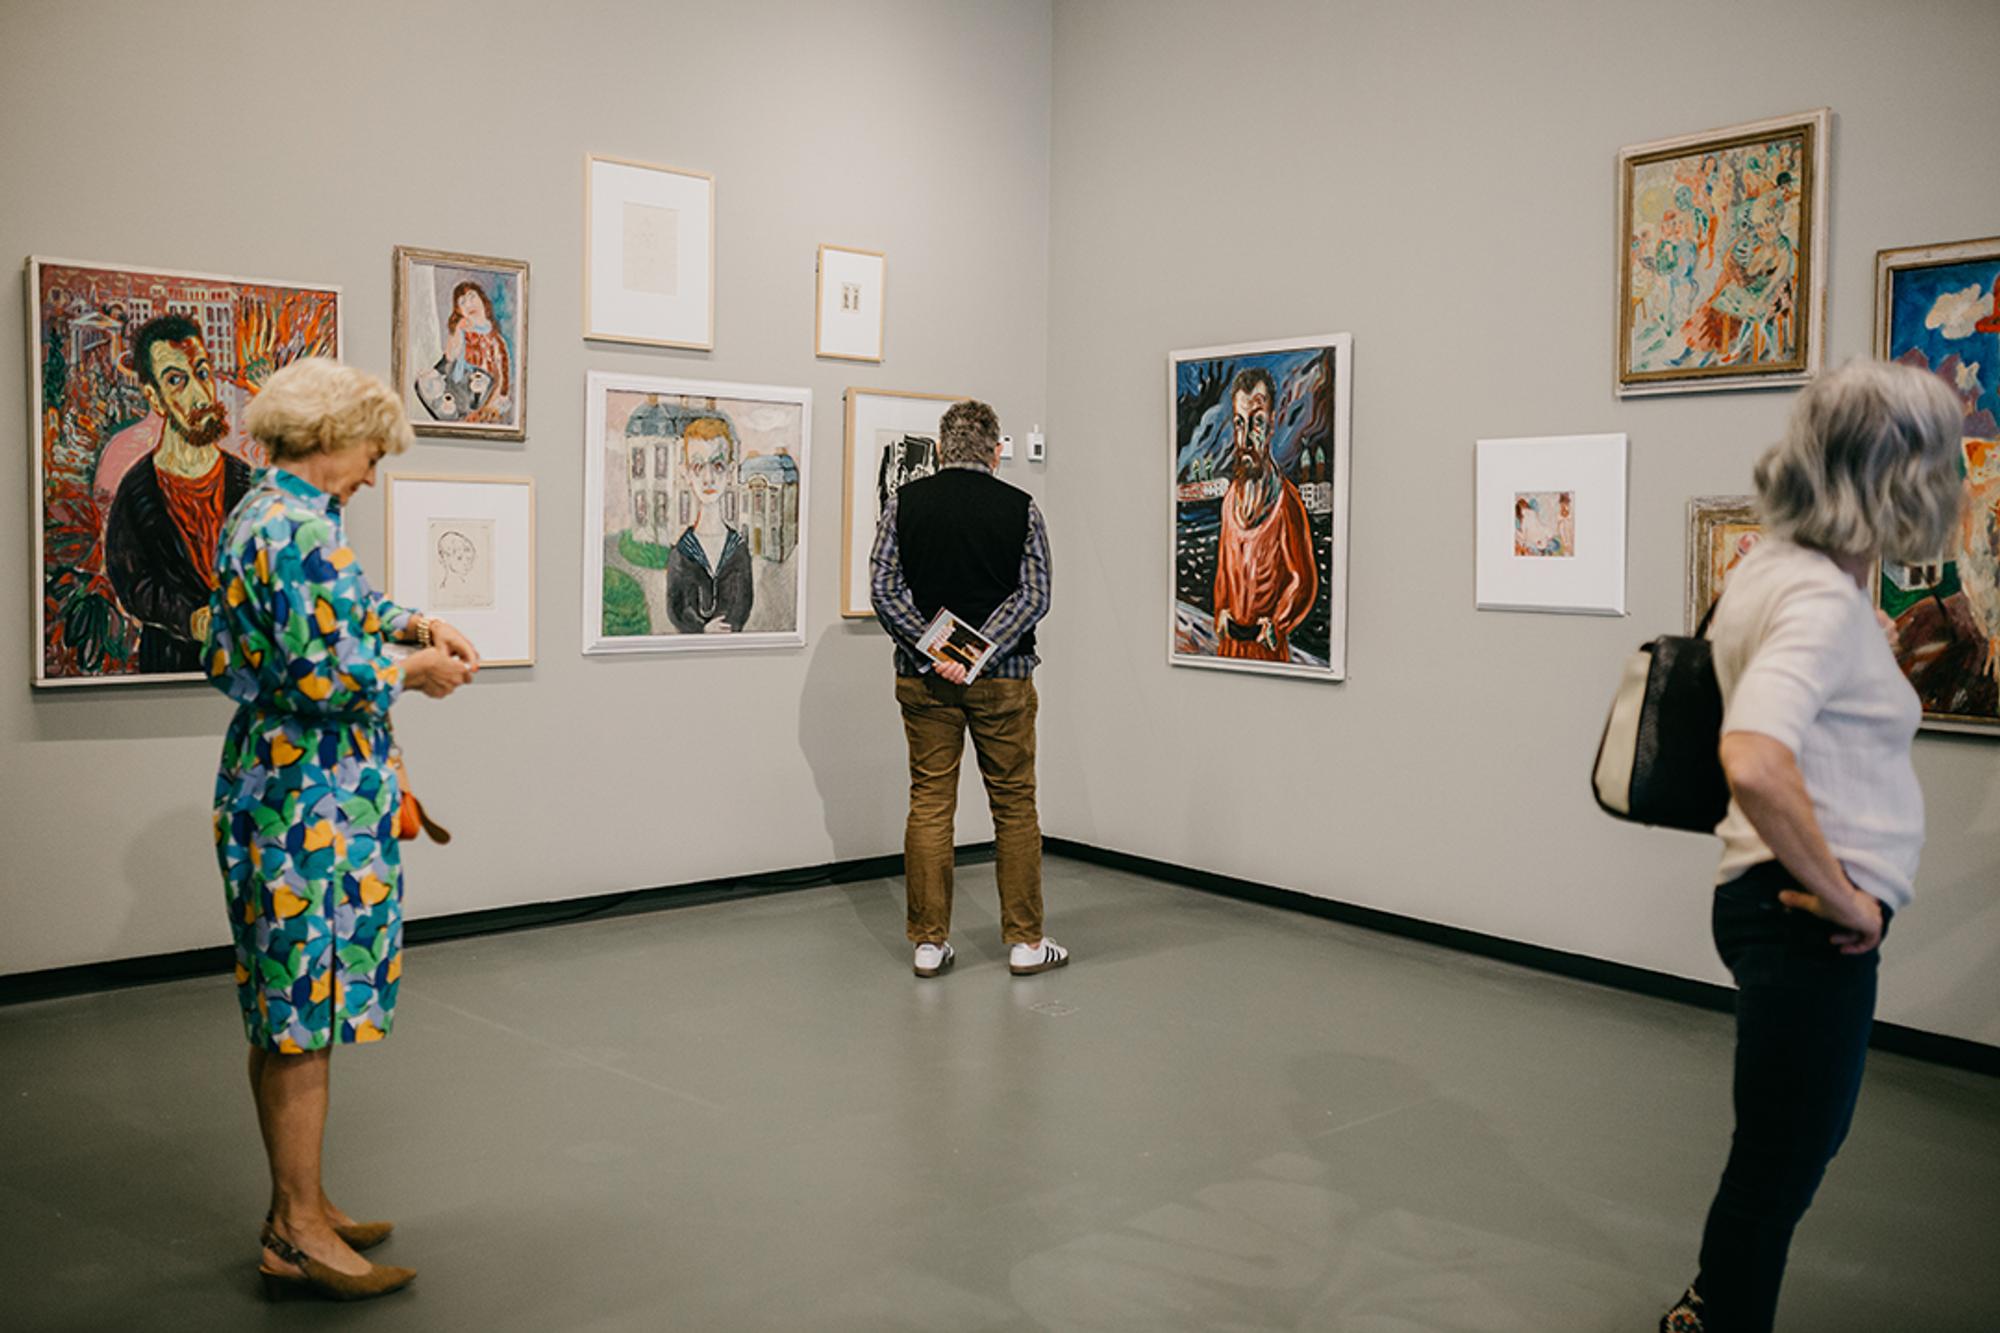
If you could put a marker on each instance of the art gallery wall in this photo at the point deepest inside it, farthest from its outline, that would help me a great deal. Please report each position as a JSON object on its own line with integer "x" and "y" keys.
{"x": 304, "y": 142}
{"x": 1437, "y": 179}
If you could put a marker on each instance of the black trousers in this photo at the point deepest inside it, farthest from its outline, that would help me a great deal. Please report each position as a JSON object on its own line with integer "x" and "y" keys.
{"x": 1803, "y": 1014}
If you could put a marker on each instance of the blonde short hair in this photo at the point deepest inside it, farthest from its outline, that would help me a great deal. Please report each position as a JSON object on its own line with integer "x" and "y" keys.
{"x": 318, "y": 406}
{"x": 1869, "y": 464}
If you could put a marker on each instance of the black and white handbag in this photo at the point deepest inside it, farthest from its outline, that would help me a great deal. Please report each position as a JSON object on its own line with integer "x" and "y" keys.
{"x": 1657, "y": 762}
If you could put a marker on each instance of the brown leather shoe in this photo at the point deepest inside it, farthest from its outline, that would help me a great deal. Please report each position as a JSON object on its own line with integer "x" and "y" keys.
{"x": 315, "y": 1279}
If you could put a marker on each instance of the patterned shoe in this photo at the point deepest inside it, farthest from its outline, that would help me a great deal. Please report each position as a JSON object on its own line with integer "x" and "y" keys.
{"x": 1024, "y": 960}
{"x": 1685, "y": 1317}
{"x": 934, "y": 958}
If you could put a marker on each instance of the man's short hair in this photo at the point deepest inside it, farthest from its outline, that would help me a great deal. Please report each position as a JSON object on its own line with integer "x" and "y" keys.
{"x": 969, "y": 433}
{"x": 1247, "y": 382}
{"x": 165, "y": 329}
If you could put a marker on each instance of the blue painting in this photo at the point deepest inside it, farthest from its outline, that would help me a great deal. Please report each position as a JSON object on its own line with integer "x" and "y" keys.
{"x": 1941, "y": 313}
{"x": 1260, "y": 506}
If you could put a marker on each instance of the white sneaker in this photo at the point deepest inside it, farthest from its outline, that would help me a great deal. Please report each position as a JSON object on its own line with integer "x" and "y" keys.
{"x": 1024, "y": 960}
{"x": 934, "y": 958}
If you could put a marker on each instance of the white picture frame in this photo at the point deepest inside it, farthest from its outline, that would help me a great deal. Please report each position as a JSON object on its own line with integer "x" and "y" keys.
{"x": 870, "y": 414}
{"x": 462, "y": 548}
{"x": 630, "y": 467}
{"x": 848, "y": 310}
{"x": 1312, "y": 445}
{"x": 648, "y": 254}
{"x": 1549, "y": 525}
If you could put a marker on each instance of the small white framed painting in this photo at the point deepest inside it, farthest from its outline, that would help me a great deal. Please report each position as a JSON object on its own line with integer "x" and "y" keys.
{"x": 847, "y": 319}
{"x": 694, "y": 523}
{"x": 648, "y": 254}
{"x": 1549, "y": 524}
{"x": 892, "y": 439}
{"x": 463, "y": 549}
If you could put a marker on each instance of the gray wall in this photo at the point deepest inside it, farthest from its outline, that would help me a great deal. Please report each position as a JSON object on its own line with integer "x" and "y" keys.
{"x": 1437, "y": 178}
{"x": 305, "y": 142}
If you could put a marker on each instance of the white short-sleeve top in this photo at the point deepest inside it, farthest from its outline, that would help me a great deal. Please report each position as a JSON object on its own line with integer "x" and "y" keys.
{"x": 1801, "y": 659}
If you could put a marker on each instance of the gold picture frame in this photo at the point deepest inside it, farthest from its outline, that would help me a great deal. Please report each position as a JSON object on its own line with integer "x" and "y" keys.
{"x": 1721, "y": 264}
{"x": 1717, "y": 526}
{"x": 435, "y": 399}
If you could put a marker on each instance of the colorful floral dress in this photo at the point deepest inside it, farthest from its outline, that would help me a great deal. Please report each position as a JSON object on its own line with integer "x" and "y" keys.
{"x": 305, "y": 798}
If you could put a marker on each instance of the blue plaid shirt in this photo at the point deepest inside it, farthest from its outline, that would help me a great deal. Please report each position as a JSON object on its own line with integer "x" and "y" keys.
{"x": 897, "y": 609}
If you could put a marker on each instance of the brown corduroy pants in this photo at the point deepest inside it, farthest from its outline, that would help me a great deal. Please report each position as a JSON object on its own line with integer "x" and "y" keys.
{"x": 1000, "y": 714}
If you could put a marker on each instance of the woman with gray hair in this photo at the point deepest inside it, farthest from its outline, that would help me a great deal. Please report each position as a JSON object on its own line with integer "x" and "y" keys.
{"x": 1825, "y": 821}
{"x": 306, "y": 797}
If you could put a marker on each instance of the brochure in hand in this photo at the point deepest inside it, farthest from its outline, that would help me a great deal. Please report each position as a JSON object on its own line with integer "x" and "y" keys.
{"x": 949, "y": 639}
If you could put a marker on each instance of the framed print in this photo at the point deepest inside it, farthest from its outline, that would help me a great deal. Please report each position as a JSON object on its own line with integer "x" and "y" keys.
{"x": 694, "y": 515}
{"x": 648, "y": 254}
{"x": 460, "y": 344}
{"x": 1549, "y": 524}
{"x": 1722, "y": 529}
{"x": 892, "y": 438}
{"x": 1721, "y": 257}
{"x": 847, "y": 316}
{"x": 1937, "y": 307}
{"x": 463, "y": 549}
{"x": 138, "y": 378}
{"x": 1258, "y": 481}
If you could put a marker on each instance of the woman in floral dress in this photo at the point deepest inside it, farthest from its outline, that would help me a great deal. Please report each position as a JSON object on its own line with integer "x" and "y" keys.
{"x": 305, "y": 799}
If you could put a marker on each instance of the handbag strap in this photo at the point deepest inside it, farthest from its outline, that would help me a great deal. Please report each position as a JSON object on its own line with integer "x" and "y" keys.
{"x": 1701, "y": 630}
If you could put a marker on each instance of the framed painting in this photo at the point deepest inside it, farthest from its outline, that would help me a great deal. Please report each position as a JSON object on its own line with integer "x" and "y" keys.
{"x": 892, "y": 438}
{"x": 847, "y": 314}
{"x": 694, "y": 515}
{"x": 138, "y": 378}
{"x": 1258, "y": 482}
{"x": 1549, "y": 524}
{"x": 648, "y": 254}
{"x": 1722, "y": 529}
{"x": 1721, "y": 257}
{"x": 460, "y": 344}
{"x": 1937, "y": 307}
{"x": 463, "y": 548}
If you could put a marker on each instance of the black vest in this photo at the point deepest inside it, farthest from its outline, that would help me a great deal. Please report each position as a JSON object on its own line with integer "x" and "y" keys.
{"x": 960, "y": 534}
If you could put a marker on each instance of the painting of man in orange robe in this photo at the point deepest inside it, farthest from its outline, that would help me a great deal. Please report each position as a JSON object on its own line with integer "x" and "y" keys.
{"x": 1265, "y": 580}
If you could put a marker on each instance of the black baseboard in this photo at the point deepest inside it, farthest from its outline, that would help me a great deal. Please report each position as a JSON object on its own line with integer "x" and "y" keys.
{"x": 1957, "y": 1052}
{"x": 85, "y": 978}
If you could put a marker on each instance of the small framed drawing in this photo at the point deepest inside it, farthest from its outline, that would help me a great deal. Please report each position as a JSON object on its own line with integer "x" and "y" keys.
{"x": 1549, "y": 527}
{"x": 648, "y": 254}
{"x": 463, "y": 549}
{"x": 1937, "y": 307}
{"x": 460, "y": 345}
{"x": 1721, "y": 257}
{"x": 1258, "y": 440}
{"x": 694, "y": 515}
{"x": 847, "y": 317}
{"x": 1722, "y": 529}
{"x": 892, "y": 438}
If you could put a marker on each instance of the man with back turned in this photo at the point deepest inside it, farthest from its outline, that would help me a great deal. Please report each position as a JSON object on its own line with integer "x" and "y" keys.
{"x": 963, "y": 540}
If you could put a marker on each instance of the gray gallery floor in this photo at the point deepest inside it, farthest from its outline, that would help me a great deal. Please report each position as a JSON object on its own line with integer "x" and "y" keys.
{"x": 751, "y": 1116}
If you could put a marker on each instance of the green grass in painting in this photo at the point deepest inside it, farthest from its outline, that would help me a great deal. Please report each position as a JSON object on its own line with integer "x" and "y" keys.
{"x": 644, "y": 554}
{"x": 1895, "y": 601}
{"x": 624, "y": 605}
